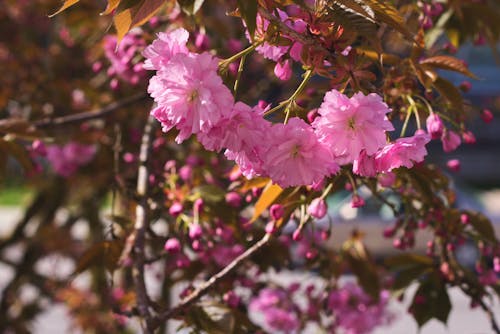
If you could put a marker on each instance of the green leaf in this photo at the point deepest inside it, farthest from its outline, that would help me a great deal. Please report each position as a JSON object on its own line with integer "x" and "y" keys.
{"x": 248, "y": 11}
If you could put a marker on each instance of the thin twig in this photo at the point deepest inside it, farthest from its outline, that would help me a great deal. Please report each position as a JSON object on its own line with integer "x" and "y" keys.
{"x": 88, "y": 115}
{"x": 205, "y": 287}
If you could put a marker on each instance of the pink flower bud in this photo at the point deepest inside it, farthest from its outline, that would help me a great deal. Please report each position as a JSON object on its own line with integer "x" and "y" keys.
{"x": 198, "y": 205}
{"x": 114, "y": 84}
{"x": 270, "y": 228}
{"x": 387, "y": 179}
{"x": 297, "y": 235}
{"x": 172, "y": 245}
{"x": 468, "y": 137}
{"x": 175, "y": 209}
{"x": 453, "y": 165}
{"x": 196, "y": 245}
{"x": 97, "y": 66}
{"x": 283, "y": 70}
{"x": 434, "y": 126}
{"x": 311, "y": 115}
{"x": 450, "y": 141}
{"x": 389, "y": 232}
{"x": 465, "y": 86}
{"x": 325, "y": 234}
{"x": 231, "y": 299}
{"x": 357, "y": 201}
{"x": 233, "y": 199}
{"x": 464, "y": 218}
{"x": 496, "y": 264}
{"x": 311, "y": 254}
{"x": 195, "y": 231}
{"x": 39, "y": 147}
{"x": 487, "y": 116}
{"x": 128, "y": 157}
{"x": 317, "y": 208}
{"x": 276, "y": 211}
{"x": 182, "y": 261}
{"x": 186, "y": 173}
{"x": 202, "y": 42}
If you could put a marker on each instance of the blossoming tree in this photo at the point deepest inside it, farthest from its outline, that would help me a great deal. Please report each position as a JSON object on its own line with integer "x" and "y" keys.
{"x": 217, "y": 132}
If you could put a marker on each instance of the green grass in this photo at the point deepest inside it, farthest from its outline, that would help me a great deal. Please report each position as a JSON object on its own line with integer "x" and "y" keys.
{"x": 14, "y": 195}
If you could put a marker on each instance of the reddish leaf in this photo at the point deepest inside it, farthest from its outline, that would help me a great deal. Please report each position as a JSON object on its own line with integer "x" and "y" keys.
{"x": 448, "y": 63}
{"x": 146, "y": 10}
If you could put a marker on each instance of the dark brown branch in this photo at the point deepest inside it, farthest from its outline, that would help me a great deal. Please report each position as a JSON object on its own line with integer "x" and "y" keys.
{"x": 141, "y": 225}
{"x": 88, "y": 115}
{"x": 205, "y": 287}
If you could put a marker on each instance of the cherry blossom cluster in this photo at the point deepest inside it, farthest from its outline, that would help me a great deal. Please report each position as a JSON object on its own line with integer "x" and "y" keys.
{"x": 279, "y": 309}
{"x": 65, "y": 159}
{"x": 192, "y": 98}
{"x": 123, "y": 57}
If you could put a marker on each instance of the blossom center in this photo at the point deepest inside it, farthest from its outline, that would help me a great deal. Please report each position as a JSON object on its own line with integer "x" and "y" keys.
{"x": 351, "y": 123}
{"x": 295, "y": 150}
{"x": 193, "y": 96}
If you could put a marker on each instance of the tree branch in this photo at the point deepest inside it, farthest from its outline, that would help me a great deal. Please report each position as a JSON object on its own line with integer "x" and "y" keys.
{"x": 88, "y": 115}
{"x": 205, "y": 286}
{"x": 141, "y": 225}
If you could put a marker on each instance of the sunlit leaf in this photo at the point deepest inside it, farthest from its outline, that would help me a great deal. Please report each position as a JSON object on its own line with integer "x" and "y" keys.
{"x": 66, "y": 5}
{"x": 269, "y": 195}
{"x": 110, "y": 7}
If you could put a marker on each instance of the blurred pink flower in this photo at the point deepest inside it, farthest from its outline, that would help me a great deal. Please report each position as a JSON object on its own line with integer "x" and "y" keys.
{"x": 450, "y": 141}
{"x": 66, "y": 159}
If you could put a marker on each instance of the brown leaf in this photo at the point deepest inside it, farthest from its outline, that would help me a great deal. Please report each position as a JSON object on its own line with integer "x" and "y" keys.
{"x": 66, "y": 4}
{"x": 448, "y": 63}
{"x": 146, "y": 10}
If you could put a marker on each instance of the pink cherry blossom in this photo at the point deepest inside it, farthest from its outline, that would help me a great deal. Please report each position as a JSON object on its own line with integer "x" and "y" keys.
{"x": 283, "y": 70}
{"x": 364, "y": 165}
{"x": 165, "y": 47}
{"x": 190, "y": 95}
{"x": 350, "y": 125}
{"x": 403, "y": 152}
{"x": 294, "y": 156}
{"x": 123, "y": 57}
